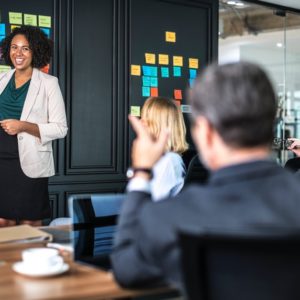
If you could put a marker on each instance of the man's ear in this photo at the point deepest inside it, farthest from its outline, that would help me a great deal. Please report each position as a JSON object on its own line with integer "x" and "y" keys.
{"x": 203, "y": 130}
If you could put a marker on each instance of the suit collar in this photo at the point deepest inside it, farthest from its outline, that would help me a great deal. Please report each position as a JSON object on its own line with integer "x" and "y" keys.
{"x": 32, "y": 93}
{"x": 5, "y": 79}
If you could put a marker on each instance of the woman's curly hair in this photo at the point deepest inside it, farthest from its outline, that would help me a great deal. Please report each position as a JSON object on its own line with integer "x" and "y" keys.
{"x": 39, "y": 44}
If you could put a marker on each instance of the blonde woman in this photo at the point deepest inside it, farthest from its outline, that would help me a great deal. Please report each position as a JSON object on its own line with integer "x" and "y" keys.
{"x": 160, "y": 113}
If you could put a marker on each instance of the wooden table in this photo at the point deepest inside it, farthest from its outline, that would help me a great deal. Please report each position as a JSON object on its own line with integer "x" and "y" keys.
{"x": 81, "y": 282}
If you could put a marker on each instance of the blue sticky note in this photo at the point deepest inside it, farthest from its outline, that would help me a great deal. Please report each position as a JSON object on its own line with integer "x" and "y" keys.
{"x": 153, "y": 71}
{"x": 2, "y": 29}
{"x": 145, "y": 91}
{"x": 1, "y": 38}
{"x": 193, "y": 73}
{"x": 46, "y": 31}
{"x": 176, "y": 71}
{"x": 153, "y": 81}
{"x": 146, "y": 70}
{"x": 191, "y": 81}
{"x": 164, "y": 72}
{"x": 146, "y": 81}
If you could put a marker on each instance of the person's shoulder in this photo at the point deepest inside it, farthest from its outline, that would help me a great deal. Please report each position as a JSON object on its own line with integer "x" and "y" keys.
{"x": 46, "y": 77}
{"x": 7, "y": 73}
{"x": 172, "y": 157}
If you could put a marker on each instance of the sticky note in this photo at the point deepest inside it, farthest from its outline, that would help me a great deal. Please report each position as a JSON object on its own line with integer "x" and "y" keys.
{"x": 12, "y": 27}
{"x": 2, "y": 37}
{"x": 163, "y": 59}
{"x": 46, "y": 69}
{"x": 154, "y": 81}
{"x": 178, "y": 94}
{"x": 146, "y": 81}
{"x": 170, "y": 36}
{"x": 135, "y": 111}
{"x": 194, "y": 63}
{"x": 176, "y": 71}
{"x": 164, "y": 72}
{"x": 4, "y": 68}
{"x": 15, "y": 18}
{"x": 46, "y": 31}
{"x": 178, "y": 61}
{"x": 146, "y": 70}
{"x": 150, "y": 58}
{"x": 2, "y": 29}
{"x": 191, "y": 81}
{"x": 136, "y": 70}
{"x": 154, "y": 91}
{"x": 30, "y": 20}
{"x": 193, "y": 73}
{"x": 186, "y": 108}
{"x": 145, "y": 91}
{"x": 45, "y": 21}
{"x": 153, "y": 71}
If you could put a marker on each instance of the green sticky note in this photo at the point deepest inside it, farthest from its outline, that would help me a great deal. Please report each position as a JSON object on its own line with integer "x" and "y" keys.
{"x": 135, "y": 111}
{"x": 45, "y": 21}
{"x": 164, "y": 72}
{"x": 145, "y": 91}
{"x": 4, "y": 68}
{"x": 146, "y": 81}
{"x": 30, "y": 20}
{"x": 154, "y": 81}
{"x": 15, "y": 18}
{"x": 176, "y": 71}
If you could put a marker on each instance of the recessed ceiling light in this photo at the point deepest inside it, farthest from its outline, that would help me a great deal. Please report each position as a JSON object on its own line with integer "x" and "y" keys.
{"x": 231, "y": 2}
{"x": 239, "y": 3}
{"x": 279, "y": 45}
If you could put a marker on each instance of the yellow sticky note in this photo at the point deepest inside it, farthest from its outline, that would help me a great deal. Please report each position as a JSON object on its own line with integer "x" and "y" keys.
{"x": 163, "y": 59}
{"x": 12, "y": 27}
{"x": 4, "y": 68}
{"x": 30, "y": 20}
{"x": 45, "y": 21}
{"x": 170, "y": 36}
{"x": 15, "y": 18}
{"x": 193, "y": 63}
{"x": 150, "y": 58}
{"x": 178, "y": 61}
{"x": 135, "y": 111}
{"x": 136, "y": 70}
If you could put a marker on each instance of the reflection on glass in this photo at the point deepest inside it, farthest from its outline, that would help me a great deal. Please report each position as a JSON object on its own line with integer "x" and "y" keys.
{"x": 268, "y": 37}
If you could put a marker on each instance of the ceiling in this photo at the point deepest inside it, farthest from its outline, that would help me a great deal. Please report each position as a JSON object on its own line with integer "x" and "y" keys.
{"x": 287, "y": 3}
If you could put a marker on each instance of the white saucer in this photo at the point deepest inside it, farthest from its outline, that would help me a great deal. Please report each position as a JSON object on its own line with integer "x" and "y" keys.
{"x": 19, "y": 267}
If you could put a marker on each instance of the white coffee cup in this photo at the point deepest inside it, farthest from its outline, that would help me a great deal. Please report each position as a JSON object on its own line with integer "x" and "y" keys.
{"x": 41, "y": 259}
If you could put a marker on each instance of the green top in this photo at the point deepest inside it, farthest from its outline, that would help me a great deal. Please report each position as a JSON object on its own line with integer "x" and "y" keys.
{"x": 12, "y": 100}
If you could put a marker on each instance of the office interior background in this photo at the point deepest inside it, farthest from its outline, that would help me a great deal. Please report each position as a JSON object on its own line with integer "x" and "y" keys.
{"x": 97, "y": 42}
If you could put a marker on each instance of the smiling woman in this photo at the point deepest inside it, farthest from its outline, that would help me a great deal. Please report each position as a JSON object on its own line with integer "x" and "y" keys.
{"x": 32, "y": 115}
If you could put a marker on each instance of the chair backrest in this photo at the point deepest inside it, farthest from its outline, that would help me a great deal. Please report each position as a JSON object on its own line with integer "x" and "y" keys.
{"x": 236, "y": 267}
{"x": 196, "y": 172}
{"x": 94, "y": 219}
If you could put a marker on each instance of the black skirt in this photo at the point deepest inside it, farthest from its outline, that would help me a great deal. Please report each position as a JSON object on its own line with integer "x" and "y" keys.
{"x": 21, "y": 197}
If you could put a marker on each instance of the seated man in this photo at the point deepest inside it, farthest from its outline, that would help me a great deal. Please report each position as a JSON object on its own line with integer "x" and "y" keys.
{"x": 233, "y": 109}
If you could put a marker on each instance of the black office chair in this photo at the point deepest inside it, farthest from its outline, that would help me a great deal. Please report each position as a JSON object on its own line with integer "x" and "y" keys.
{"x": 235, "y": 267}
{"x": 196, "y": 171}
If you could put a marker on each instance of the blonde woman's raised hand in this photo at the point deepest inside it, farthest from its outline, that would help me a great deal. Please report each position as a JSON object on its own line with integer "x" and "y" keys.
{"x": 146, "y": 151}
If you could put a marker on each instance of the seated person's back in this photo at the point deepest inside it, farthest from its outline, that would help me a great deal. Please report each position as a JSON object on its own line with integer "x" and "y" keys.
{"x": 233, "y": 110}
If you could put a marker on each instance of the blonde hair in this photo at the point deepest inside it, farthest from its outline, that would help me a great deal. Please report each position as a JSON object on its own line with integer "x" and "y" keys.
{"x": 162, "y": 113}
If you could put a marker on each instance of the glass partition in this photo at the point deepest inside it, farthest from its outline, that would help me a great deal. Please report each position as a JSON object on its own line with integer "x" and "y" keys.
{"x": 269, "y": 37}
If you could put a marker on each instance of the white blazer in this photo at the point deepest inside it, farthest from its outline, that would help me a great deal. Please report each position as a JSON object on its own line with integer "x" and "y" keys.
{"x": 44, "y": 106}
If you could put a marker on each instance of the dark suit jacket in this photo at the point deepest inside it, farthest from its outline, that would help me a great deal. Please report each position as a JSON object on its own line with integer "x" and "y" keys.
{"x": 244, "y": 197}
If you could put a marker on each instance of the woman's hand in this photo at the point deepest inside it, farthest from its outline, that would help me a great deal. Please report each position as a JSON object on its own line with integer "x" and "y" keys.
{"x": 12, "y": 126}
{"x": 145, "y": 150}
{"x": 295, "y": 146}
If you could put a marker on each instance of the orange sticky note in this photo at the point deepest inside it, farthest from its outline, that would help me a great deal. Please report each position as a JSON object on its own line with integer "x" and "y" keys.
{"x": 163, "y": 59}
{"x": 136, "y": 70}
{"x": 154, "y": 91}
{"x": 178, "y": 94}
{"x": 193, "y": 63}
{"x": 178, "y": 61}
{"x": 150, "y": 58}
{"x": 170, "y": 36}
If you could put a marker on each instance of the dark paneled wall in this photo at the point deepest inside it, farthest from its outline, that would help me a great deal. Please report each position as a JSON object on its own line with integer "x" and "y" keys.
{"x": 93, "y": 53}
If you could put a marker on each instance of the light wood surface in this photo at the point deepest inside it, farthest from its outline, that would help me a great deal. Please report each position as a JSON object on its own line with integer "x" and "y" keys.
{"x": 81, "y": 282}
